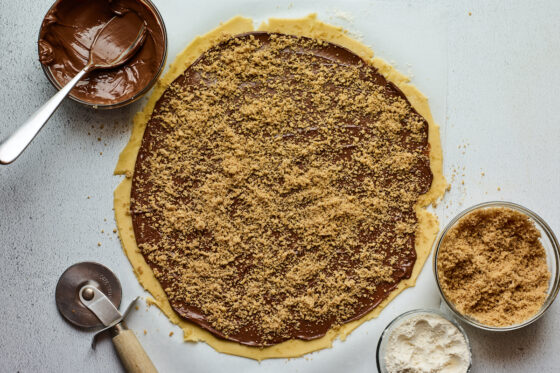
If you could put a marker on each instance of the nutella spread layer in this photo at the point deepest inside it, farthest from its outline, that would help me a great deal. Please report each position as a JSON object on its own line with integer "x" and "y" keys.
{"x": 67, "y": 33}
{"x": 274, "y": 190}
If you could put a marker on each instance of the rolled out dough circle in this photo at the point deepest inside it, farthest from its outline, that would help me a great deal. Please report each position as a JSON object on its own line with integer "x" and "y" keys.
{"x": 309, "y": 26}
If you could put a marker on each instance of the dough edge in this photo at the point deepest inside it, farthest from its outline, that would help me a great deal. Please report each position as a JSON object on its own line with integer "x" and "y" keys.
{"x": 309, "y": 26}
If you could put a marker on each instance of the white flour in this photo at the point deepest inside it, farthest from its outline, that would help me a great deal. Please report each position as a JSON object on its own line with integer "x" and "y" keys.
{"x": 426, "y": 343}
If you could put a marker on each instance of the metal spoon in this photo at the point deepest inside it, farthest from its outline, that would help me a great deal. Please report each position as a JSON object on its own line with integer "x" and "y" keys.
{"x": 106, "y": 52}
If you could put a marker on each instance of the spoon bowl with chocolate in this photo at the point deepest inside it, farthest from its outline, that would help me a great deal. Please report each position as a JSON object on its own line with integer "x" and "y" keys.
{"x": 114, "y": 44}
{"x": 67, "y": 34}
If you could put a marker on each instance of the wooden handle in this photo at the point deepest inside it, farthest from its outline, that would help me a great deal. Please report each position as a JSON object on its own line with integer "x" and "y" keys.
{"x": 131, "y": 353}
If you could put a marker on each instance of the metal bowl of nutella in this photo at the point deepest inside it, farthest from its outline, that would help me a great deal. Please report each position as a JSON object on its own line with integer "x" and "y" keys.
{"x": 496, "y": 266}
{"x": 67, "y": 33}
{"x": 424, "y": 340}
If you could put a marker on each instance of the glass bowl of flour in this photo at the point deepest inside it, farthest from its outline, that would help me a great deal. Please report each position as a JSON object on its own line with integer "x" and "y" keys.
{"x": 424, "y": 341}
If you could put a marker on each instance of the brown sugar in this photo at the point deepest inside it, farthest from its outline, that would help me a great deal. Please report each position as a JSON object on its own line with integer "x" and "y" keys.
{"x": 492, "y": 267}
{"x": 274, "y": 194}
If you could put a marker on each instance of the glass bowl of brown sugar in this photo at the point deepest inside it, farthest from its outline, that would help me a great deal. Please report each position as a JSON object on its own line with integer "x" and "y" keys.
{"x": 496, "y": 265}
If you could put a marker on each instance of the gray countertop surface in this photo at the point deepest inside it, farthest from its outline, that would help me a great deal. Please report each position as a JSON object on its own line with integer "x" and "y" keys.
{"x": 492, "y": 78}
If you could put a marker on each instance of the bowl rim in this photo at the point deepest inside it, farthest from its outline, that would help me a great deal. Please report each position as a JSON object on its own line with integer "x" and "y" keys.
{"x": 556, "y": 264}
{"x": 406, "y": 314}
{"x": 140, "y": 93}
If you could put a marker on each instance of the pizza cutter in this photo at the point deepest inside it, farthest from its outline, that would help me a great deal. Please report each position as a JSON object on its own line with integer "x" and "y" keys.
{"x": 88, "y": 295}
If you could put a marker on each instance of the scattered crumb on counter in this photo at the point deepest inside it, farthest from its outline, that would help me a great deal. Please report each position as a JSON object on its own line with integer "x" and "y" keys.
{"x": 151, "y": 302}
{"x": 171, "y": 334}
{"x": 345, "y": 16}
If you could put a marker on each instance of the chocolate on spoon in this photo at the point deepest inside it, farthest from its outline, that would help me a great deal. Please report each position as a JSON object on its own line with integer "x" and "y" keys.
{"x": 114, "y": 44}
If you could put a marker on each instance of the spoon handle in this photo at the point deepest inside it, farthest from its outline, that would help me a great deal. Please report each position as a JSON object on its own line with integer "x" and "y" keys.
{"x": 15, "y": 144}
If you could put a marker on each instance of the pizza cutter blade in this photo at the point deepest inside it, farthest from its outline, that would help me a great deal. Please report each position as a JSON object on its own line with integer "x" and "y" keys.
{"x": 88, "y": 295}
{"x": 68, "y": 292}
